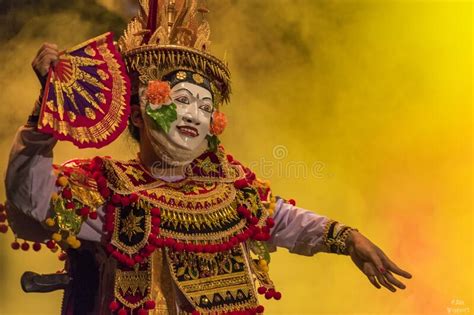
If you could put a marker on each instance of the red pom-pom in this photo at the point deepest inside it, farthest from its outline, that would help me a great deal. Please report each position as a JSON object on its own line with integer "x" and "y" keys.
{"x": 110, "y": 208}
{"x": 158, "y": 242}
{"x": 195, "y": 313}
{"x": 3, "y": 228}
{"x": 262, "y": 290}
{"x": 15, "y": 245}
{"x": 25, "y": 246}
{"x": 150, "y": 248}
{"x": 101, "y": 182}
{"x": 122, "y": 312}
{"x": 155, "y": 230}
{"x": 230, "y": 158}
{"x": 277, "y": 296}
{"x": 97, "y": 163}
{"x": 250, "y": 177}
{"x": 125, "y": 201}
{"x": 142, "y": 312}
{"x": 169, "y": 242}
{"x": 253, "y": 220}
{"x": 104, "y": 192}
{"x": 234, "y": 240}
{"x": 265, "y": 229}
{"x": 199, "y": 248}
{"x": 179, "y": 246}
{"x": 241, "y": 183}
{"x": 116, "y": 199}
{"x": 3, "y": 217}
{"x": 62, "y": 256}
{"x": 96, "y": 175}
{"x": 149, "y": 305}
{"x": 260, "y": 309}
{"x": 36, "y": 246}
{"x": 50, "y": 244}
{"x": 270, "y": 222}
{"x": 133, "y": 198}
{"x": 292, "y": 202}
{"x": 85, "y": 211}
{"x": 138, "y": 259}
{"x": 155, "y": 212}
{"x": 269, "y": 294}
{"x": 156, "y": 221}
{"x": 93, "y": 215}
{"x": 242, "y": 209}
{"x": 67, "y": 193}
{"x": 70, "y": 205}
{"x": 113, "y": 306}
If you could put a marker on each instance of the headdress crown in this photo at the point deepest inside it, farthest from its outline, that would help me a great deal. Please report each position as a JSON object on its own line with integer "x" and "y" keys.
{"x": 168, "y": 35}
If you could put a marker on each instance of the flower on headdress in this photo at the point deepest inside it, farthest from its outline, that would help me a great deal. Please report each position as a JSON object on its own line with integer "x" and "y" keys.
{"x": 158, "y": 92}
{"x": 219, "y": 122}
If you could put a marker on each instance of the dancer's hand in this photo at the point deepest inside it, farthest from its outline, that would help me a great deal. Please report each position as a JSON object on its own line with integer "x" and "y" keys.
{"x": 373, "y": 262}
{"x": 46, "y": 57}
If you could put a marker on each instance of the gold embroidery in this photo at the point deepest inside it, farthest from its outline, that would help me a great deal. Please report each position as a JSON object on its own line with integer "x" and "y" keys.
{"x": 210, "y": 285}
{"x": 131, "y": 225}
{"x": 133, "y": 282}
{"x": 135, "y": 173}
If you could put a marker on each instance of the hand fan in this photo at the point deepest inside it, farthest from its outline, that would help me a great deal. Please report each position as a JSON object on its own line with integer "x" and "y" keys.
{"x": 87, "y": 95}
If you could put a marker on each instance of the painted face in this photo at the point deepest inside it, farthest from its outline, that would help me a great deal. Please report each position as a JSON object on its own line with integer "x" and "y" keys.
{"x": 186, "y": 138}
{"x": 194, "y": 109}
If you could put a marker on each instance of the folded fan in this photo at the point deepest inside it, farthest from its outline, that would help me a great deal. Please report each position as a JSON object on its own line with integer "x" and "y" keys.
{"x": 87, "y": 95}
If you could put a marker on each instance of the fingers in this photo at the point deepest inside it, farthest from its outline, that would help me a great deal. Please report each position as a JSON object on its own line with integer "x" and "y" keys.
{"x": 377, "y": 262}
{"x": 393, "y": 267}
{"x": 390, "y": 278}
{"x": 47, "y": 55}
{"x": 46, "y": 45}
{"x": 381, "y": 279}
{"x": 44, "y": 62}
{"x": 373, "y": 281}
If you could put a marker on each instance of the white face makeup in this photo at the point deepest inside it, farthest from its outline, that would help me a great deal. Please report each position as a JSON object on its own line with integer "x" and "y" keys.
{"x": 194, "y": 109}
{"x": 186, "y": 139}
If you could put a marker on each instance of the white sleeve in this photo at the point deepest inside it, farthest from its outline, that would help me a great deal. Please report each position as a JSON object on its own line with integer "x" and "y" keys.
{"x": 300, "y": 231}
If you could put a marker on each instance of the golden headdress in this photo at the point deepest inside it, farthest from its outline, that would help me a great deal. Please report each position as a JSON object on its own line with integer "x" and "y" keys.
{"x": 169, "y": 35}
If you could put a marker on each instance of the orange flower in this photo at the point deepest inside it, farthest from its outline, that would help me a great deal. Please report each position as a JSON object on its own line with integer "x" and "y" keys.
{"x": 219, "y": 122}
{"x": 158, "y": 92}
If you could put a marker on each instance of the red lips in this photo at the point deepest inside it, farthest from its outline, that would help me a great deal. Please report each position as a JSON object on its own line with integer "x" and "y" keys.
{"x": 188, "y": 131}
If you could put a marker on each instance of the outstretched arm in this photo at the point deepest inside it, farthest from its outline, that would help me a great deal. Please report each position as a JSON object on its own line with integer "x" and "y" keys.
{"x": 307, "y": 233}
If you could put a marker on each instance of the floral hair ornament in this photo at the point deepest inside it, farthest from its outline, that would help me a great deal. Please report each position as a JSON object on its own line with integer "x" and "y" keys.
{"x": 159, "y": 106}
{"x": 218, "y": 124}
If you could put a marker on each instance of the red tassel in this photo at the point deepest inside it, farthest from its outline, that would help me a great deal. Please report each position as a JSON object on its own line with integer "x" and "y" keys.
{"x": 3, "y": 228}
{"x": 36, "y": 246}
{"x": 25, "y": 246}
{"x": 113, "y": 306}
{"x": 149, "y": 305}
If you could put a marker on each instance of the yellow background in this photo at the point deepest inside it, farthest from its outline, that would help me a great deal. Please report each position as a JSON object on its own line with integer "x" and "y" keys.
{"x": 376, "y": 96}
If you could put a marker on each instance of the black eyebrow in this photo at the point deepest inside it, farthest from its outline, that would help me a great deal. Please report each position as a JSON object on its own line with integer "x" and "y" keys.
{"x": 189, "y": 92}
{"x": 184, "y": 89}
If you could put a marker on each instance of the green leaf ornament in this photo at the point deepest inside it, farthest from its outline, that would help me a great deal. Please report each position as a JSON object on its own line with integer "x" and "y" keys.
{"x": 163, "y": 116}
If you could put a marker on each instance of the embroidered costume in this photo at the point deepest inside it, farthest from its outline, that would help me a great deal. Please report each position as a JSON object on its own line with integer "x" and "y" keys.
{"x": 138, "y": 242}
